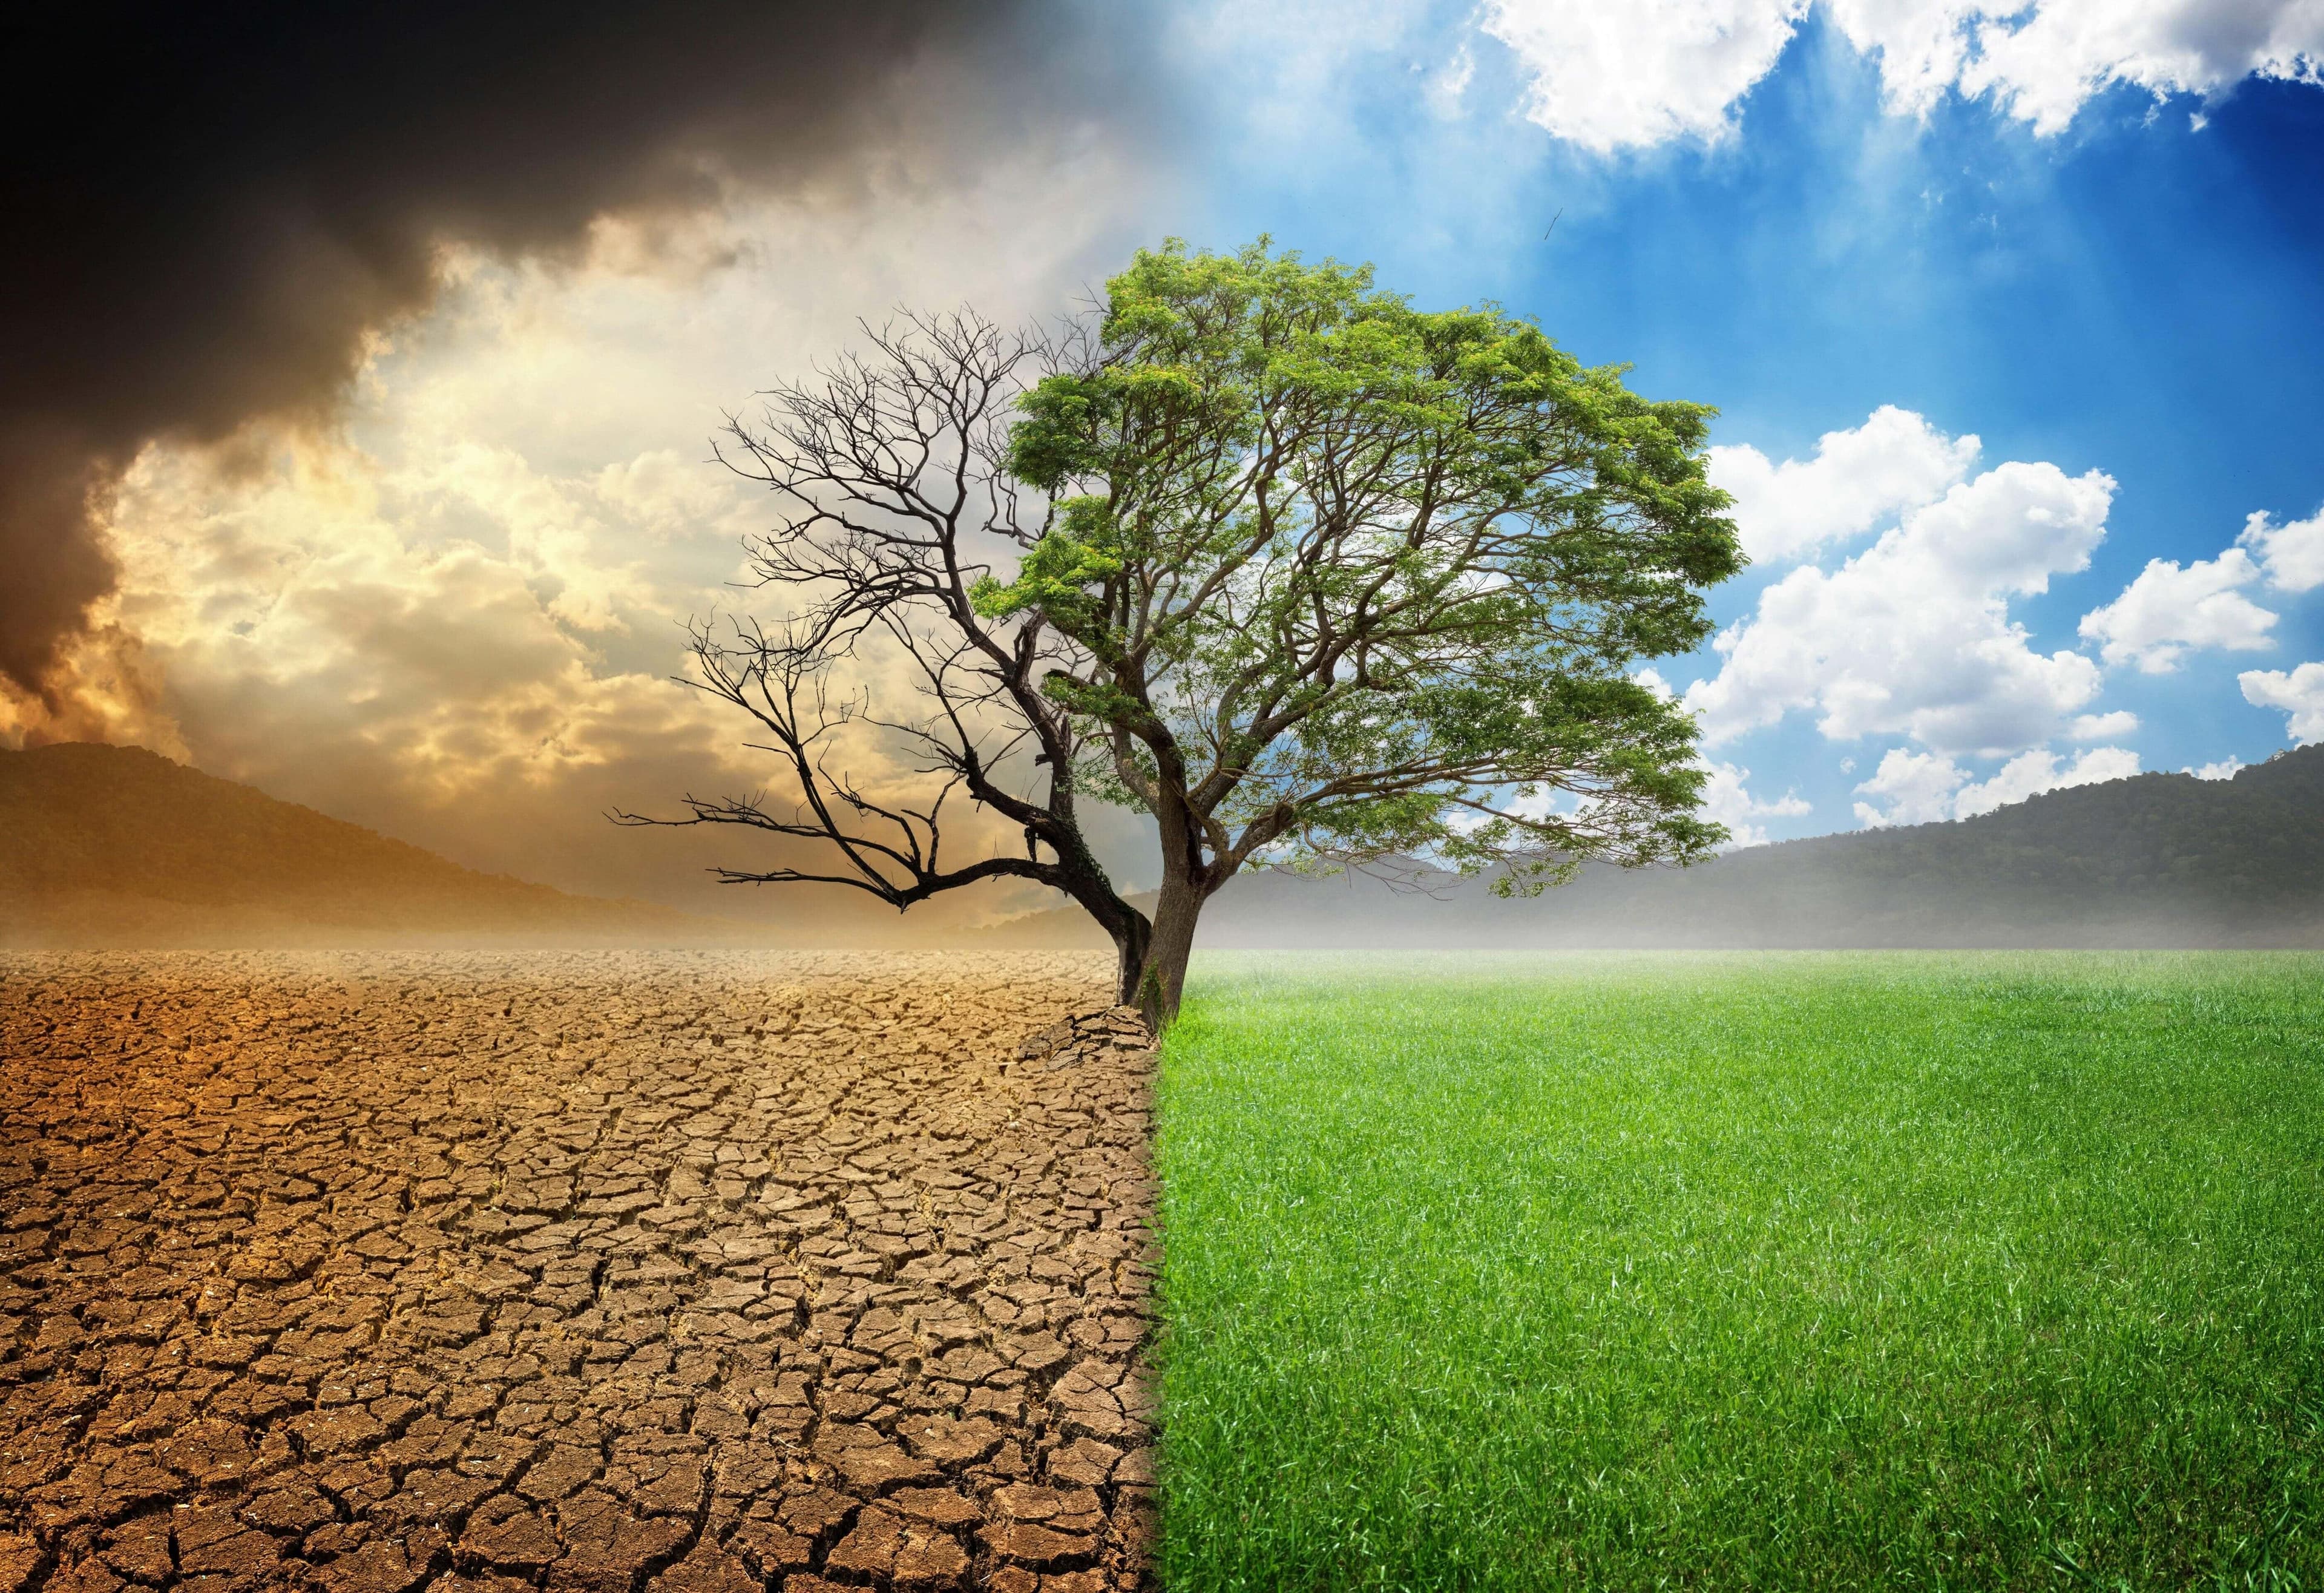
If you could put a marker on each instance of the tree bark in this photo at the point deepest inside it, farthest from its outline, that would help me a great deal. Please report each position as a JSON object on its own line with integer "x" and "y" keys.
{"x": 1130, "y": 939}
{"x": 1161, "y": 978}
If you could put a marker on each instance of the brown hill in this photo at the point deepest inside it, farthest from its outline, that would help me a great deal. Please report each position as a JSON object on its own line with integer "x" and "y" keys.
{"x": 117, "y": 846}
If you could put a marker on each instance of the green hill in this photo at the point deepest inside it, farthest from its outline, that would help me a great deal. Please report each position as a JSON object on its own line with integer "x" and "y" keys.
{"x": 2158, "y": 859}
{"x": 120, "y": 846}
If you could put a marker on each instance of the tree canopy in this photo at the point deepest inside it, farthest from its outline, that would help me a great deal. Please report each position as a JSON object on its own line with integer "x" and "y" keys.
{"x": 1313, "y": 577}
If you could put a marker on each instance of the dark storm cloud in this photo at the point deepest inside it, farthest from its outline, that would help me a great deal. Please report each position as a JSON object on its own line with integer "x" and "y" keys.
{"x": 211, "y": 205}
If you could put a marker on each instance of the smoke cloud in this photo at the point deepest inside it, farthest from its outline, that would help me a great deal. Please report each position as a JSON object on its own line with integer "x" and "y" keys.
{"x": 218, "y": 207}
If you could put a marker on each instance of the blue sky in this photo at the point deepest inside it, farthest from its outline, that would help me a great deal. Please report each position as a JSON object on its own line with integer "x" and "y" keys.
{"x": 2136, "y": 293}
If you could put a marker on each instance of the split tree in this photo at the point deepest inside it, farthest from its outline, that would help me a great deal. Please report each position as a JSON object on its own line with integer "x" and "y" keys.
{"x": 1313, "y": 577}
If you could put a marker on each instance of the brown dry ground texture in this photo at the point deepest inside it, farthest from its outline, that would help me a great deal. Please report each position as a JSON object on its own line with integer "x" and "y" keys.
{"x": 695, "y": 1271}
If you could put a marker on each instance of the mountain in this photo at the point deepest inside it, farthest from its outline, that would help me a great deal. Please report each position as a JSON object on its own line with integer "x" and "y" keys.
{"x": 120, "y": 846}
{"x": 2157, "y": 859}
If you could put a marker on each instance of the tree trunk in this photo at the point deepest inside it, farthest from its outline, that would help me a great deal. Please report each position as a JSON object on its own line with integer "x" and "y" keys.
{"x": 1161, "y": 977}
{"x": 1131, "y": 936}
{"x": 1086, "y": 884}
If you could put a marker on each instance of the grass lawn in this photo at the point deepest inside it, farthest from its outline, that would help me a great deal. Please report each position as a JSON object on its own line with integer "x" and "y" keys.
{"x": 1899, "y": 1270}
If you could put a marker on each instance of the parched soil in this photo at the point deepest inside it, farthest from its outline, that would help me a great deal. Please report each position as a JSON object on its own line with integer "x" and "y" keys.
{"x": 694, "y": 1272}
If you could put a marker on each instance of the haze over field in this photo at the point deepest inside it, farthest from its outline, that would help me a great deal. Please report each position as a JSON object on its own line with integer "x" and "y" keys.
{"x": 106, "y": 846}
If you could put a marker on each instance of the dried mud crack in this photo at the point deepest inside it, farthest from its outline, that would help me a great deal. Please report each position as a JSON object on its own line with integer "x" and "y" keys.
{"x": 689, "y": 1271}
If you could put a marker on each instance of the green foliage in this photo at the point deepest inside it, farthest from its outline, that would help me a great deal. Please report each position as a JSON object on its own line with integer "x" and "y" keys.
{"x": 1078, "y": 556}
{"x": 1356, "y": 579}
{"x": 1780, "y": 1272}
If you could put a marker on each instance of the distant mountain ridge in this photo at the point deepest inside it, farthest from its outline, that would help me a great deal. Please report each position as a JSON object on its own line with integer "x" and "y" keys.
{"x": 2156, "y": 859}
{"x": 105, "y": 845}
{"x": 118, "y": 846}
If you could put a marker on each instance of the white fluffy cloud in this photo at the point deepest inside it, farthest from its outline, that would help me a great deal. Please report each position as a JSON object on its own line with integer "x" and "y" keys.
{"x": 1727, "y": 800}
{"x": 2293, "y": 554}
{"x": 2224, "y": 770}
{"x": 2042, "y": 62}
{"x": 1644, "y": 72}
{"x": 2169, "y": 610}
{"x": 2101, "y": 727}
{"x": 1917, "y": 787}
{"x": 1920, "y": 788}
{"x": 2029, "y": 774}
{"x": 2299, "y": 693}
{"x": 1859, "y": 478}
{"x": 1913, "y": 636}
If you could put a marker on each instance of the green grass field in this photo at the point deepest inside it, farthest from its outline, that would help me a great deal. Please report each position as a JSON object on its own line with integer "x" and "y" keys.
{"x": 1898, "y": 1270}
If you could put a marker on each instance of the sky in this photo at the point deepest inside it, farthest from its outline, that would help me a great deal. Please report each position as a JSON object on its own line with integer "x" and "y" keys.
{"x": 364, "y": 456}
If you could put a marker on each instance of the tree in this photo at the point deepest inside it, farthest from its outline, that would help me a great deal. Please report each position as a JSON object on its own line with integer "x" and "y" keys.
{"x": 1313, "y": 578}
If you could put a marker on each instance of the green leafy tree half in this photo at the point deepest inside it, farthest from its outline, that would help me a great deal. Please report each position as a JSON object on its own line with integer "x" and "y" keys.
{"x": 1314, "y": 578}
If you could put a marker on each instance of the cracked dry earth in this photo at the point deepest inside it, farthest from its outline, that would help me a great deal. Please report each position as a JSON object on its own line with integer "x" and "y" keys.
{"x": 684, "y": 1272}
